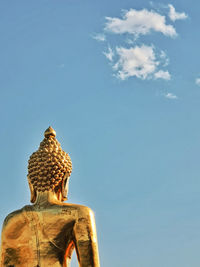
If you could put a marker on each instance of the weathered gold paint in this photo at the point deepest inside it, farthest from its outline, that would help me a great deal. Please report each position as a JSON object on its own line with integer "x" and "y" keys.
{"x": 46, "y": 233}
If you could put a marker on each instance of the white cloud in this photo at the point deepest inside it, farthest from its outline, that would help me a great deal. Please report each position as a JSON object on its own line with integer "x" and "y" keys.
{"x": 139, "y": 61}
{"x": 136, "y": 61}
{"x": 170, "y": 96}
{"x": 133, "y": 60}
{"x": 197, "y": 81}
{"x": 138, "y": 22}
{"x": 110, "y": 54}
{"x": 173, "y": 15}
{"x": 99, "y": 37}
{"x": 162, "y": 75}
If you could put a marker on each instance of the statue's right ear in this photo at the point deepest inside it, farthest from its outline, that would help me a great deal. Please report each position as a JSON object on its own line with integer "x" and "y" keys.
{"x": 33, "y": 192}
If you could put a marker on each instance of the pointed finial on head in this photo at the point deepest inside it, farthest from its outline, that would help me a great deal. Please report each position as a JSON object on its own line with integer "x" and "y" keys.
{"x": 50, "y": 132}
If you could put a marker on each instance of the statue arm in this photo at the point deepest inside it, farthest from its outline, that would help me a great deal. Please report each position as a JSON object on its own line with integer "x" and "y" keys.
{"x": 3, "y": 243}
{"x": 86, "y": 239}
{"x": 7, "y": 250}
{"x": 1, "y": 256}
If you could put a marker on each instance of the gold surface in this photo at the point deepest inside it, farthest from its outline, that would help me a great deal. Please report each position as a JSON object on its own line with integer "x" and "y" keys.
{"x": 47, "y": 232}
{"x": 49, "y": 165}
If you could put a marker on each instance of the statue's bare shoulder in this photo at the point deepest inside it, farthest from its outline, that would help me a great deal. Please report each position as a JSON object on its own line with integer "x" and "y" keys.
{"x": 13, "y": 215}
{"x": 76, "y": 207}
{"x": 80, "y": 210}
{"x": 14, "y": 225}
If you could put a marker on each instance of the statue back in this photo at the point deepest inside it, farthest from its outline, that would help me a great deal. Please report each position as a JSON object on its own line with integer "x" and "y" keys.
{"x": 41, "y": 237}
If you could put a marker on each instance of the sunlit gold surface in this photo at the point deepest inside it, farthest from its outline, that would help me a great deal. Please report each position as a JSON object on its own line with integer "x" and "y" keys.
{"x": 47, "y": 232}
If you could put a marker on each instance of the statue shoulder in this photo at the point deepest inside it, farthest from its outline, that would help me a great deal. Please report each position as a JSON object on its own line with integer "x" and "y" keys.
{"x": 15, "y": 216}
{"x": 12, "y": 216}
{"x": 85, "y": 210}
{"x": 82, "y": 211}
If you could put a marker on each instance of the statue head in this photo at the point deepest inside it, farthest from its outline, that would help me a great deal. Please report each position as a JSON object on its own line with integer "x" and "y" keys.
{"x": 49, "y": 168}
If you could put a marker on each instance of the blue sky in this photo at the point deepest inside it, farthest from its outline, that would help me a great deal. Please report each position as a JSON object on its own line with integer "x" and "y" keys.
{"x": 119, "y": 82}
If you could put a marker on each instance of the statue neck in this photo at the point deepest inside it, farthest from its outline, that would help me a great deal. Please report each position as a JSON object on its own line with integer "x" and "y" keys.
{"x": 47, "y": 197}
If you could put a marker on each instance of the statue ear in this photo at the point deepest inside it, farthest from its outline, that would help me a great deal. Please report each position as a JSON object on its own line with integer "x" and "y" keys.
{"x": 65, "y": 184}
{"x": 33, "y": 192}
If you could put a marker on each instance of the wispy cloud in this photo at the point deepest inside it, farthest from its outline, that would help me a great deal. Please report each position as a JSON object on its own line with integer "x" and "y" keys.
{"x": 139, "y": 22}
{"x": 197, "y": 81}
{"x": 173, "y": 15}
{"x": 164, "y": 58}
{"x": 61, "y": 65}
{"x": 130, "y": 41}
{"x": 99, "y": 37}
{"x": 136, "y": 61}
{"x": 109, "y": 54}
{"x": 161, "y": 74}
{"x": 170, "y": 96}
{"x": 139, "y": 61}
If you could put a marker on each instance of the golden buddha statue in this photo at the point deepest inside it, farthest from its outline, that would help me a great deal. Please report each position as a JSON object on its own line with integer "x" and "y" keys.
{"x": 46, "y": 233}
